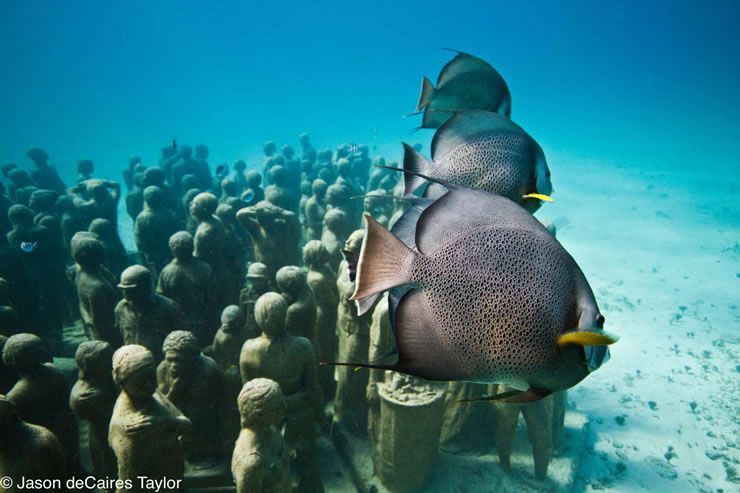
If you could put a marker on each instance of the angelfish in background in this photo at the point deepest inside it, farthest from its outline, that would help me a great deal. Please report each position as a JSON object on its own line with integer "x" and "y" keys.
{"x": 492, "y": 298}
{"x": 487, "y": 151}
{"x": 465, "y": 83}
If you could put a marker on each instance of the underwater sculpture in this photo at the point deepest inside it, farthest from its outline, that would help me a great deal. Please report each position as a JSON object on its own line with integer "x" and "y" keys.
{"x": 85, "y": 170}
{"x": 229, "y": 339}
{"x": 146, "y": 429}
{"x": 92, "y": 399}
{"x": 300, "y": 319}
{"x": 315, "y": 210}
{"x": 275, "y": 234}
{"x": 353, "y": 332}
{"x": 335, "y": 232}
{"x": 97, "y": 198}
{"x": 260, "y": 460}
{"x": 197, "y": 387}
{"x": 41, "y": 395}
{"x": 96, "y": 289}
{"x": 381, "y": 345}
{"x": 153, "y": 228}
{"x": 27, "y": 450}
{"x": 279, "y": 192}
{"x": 531, "y": 317}
{"x": 43, "y": 174}
{"x": 465, "y": 83}
{"x": 254, "y": 185}
{"x": 321, "y": 280}
{"x": 290, "y": 361}
{"x": 115, "y": 253}
{"x": 257, "y": 283}
{"x": 9, "y": 321}
{"x": 191, "y": 283}
{"x": 483, "y": 150}
{"x": 143, "y": 316}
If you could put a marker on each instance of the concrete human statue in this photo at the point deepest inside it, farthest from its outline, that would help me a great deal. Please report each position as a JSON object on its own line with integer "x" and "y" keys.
{"x": 43, "y": 174}
{"x": 280, "y": 192}
{"x": 197, "y": 387}
{"x": 92, "y": 399}
{"x": 315, "y": 209}
{"x": 353, "y": 333}
{"x": 155, "y": 177}
{"x": 237, "y": 245}
{"x": 269, "y": 148}
{"x": 211, "y": 243}
{"x": 153, "y": 228}
{"x": 382, "y": 343}
{"x": 321, "y": 279}
{"x": 261, "y": 458}
{"x": 27, "y": 450}
{"x": 191, "y": 283}
{"x": 300, "y": 320}
{"x": 41, "y": 395}
{"x": 96, "y": 289}
{"x": 97, "y": 198}
{"x": 257, "y": 283}
{"x": 143, "y": 316}
{"x": 308, "y": 153}
{"x": 9, "y": 321}
{"x": 290, "y": 361}
{"x": 146, "y": 430}
{"x": 335, "y": 232}
{"x": 229, "y": 339}
{"x": 115, "y": 253}
{"x": 275, "y": 234}
{"x": 254, "y": 183}
{"x": 379, "y": 206}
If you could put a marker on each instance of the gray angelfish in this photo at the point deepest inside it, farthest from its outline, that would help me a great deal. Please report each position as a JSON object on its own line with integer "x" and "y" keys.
{"x": 492, "y": 298}
{"x": 483, "y": 150}
{"x": 465, "y": 83}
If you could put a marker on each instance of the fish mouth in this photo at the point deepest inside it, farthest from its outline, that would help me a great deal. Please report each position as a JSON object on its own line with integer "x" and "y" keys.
{"x": 595, "y": 356}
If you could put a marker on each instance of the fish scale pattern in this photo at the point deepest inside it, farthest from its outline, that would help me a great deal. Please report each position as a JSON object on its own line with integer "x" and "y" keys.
{"x": 502, "y": 164}
{"x": 508, "y": 291}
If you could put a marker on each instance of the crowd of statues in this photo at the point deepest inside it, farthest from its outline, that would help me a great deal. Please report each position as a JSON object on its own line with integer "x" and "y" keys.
{"x": 204, "y": 343}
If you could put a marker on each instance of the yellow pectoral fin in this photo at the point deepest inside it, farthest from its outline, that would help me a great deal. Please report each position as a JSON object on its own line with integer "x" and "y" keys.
{"x": 587, "y": 338}
{"x": 541, "y": 196}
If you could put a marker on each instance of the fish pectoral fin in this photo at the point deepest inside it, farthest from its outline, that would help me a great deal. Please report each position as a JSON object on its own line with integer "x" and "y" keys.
{"x": 539, "y": 196}
{"x": 587, "y": 338}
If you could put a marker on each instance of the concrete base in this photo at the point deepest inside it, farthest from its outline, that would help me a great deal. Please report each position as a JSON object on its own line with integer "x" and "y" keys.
{"x": 463, "y": 473}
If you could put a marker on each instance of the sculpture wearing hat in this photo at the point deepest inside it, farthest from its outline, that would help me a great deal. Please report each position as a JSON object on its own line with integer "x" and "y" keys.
{"x": 96, "y": 289}
{"x": 27, "y": 450}
{"x": 143, "y": 316}
{"x": 146, "y": 429}
{"x": 41, "y": 395}
{"x": 260, "y": 460}
{"x": 257, "y": 283}
{"x": 92, "y": 399}
{"x": 196, "y": 386}
{"x": 289, "y": 361}
{"x": 191, "y": 283}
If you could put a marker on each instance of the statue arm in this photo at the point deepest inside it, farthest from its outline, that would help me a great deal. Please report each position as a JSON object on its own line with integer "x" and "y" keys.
{"x": 250, "y": 475}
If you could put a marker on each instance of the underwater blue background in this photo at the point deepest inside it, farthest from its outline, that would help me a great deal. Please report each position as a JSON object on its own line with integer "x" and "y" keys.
{"x": 650, "y": 82}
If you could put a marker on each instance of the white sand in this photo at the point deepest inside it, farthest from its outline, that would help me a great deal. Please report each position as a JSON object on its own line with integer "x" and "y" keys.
{"x": 660, "y": 250}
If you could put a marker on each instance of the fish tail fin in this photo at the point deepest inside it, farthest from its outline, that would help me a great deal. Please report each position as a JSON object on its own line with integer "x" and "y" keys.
{"x": 385, "y": 262}
{"x": 427, "y": 90}
{"x": 413, "y": 162}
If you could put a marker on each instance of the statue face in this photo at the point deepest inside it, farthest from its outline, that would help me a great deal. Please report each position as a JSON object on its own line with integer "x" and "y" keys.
{"x": 135, "y": 294}
{"x": 179, "y": 363}
{"x": 142, "y": 383}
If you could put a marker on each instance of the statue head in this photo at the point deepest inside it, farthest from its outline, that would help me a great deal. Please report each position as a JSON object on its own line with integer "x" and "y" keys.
{"x": 135, "y": 370}
{"x": 229, "y": 187}
{"x": 269, "y": 313}
{"x": 181, "y": 245}
{"x": 324, "y": 155}
{"x": 95, "y": 361}
{"x": 288, "y": 151}
{"x": 186, "y": 152}
{"x": 64, "y": 204}
{"x": 279, "y": 175}
{"x": 85, "y": 167}
{"x": 240, "y": 166}
{"x": 254, "y": 179}
{"x": 152, "y": 176}
{"x": 343, "y": 150}
{"x": 354, "y": 242}
{"x": 7, "y": 168}
{"x": 261, "y": 403}
{"x": 189, "y": 182}
{"x": 232, "y": 319}
{"x": 20, "y": 215}
{"x": 87, "y": 250}
{"x": 257, "y": 276}
{"x": 225, "y": 213}
{"x": 136, "y": 283}
{"x": 291, "y": 281}
{"x": 181, "y": 351}
{"x": 134, "y": 160}
{"x": 25, "y": 352}
{"x": 97, "y": 190}
{"x": 19, "y": 178}
{"x": 318, "y": 188}
{"x": 337, "y": 195}
{"x": 304, "y": 139}
{"x": 43, "y": 200}
{"x": 336, "y": 221}
{"x": 38, "y": 156}
{"x": 306, "y": 188}
{"x": 269, "y": 148}
{"x": 203, "y": 206}
{"x": 315, "y": 254}
{"x": 103, "y": 228}
{"x": 344, "y": 168}
{"x": 153, "y": 197}
{"x": 201, "y": 152}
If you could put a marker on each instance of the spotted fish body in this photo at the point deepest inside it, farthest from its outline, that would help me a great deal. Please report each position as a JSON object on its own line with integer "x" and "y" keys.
{"x": 465, "y": 83}
{"x": 484, "y": 295}
{"x": 483, "y": 150}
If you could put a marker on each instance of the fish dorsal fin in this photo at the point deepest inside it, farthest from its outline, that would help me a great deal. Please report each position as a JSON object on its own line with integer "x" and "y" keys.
{"x": 462, "y": 210}
{"x": 464, "y": 63}
{"x": 464, "y": 125}
{"x": 587, "y": 338}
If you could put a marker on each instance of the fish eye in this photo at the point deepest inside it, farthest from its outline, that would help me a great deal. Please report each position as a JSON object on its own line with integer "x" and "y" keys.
{"x": 600, "y": 319}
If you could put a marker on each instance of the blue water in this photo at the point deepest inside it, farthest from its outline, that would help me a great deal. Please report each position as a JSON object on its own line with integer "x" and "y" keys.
{"x": 635, "y": 80}
{"x": 635, "y": 104}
